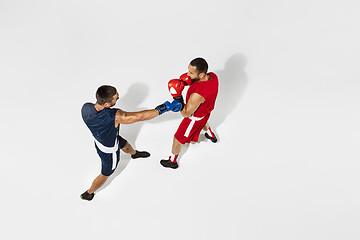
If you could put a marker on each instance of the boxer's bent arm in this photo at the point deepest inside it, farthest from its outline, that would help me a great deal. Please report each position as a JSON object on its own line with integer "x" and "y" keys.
{"x": 123, "y": 117}
{"x": 192, "y": 105}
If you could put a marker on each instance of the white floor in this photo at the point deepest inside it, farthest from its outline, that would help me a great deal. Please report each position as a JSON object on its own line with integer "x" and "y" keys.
{"x": 287, "y": 116}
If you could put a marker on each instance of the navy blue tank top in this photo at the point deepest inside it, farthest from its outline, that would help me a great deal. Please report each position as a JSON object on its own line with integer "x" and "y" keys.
{"x": 101, "y": 123}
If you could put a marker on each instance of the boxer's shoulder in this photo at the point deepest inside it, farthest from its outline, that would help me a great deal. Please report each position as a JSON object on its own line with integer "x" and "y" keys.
{"x": 88, "y": 110}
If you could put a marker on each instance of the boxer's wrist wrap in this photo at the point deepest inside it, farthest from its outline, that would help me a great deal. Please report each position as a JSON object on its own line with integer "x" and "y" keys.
{"x": 162, "y": 108}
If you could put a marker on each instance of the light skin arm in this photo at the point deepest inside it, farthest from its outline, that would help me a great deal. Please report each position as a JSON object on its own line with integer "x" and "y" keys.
{"x": 123, "y": 117}
{"x": 192, "y": 105}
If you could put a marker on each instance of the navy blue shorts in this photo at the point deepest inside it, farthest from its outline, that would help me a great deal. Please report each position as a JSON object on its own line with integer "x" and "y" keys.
{"x": 107, "y": 159}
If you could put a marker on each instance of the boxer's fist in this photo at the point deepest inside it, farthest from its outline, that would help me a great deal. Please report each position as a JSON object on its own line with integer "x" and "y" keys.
{"x": 176, "y": 86}
{"x": 181, "y": 100}
{"x": 187, "y": 80}
{"x": 176, "y": 106}
{"x": 164, "y": 107}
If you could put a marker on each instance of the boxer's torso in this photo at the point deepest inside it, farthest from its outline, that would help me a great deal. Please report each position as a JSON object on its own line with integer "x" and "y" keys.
{"x": 208, "y": 90}
{"x": 101, "y": 123}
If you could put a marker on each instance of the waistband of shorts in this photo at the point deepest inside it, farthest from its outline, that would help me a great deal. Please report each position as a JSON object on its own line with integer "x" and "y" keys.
{"x": 195, "y": 118}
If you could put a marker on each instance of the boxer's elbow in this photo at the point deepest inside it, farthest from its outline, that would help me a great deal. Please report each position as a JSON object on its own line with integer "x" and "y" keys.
{"x": 185, "y": 112}
{"x": 185, "y": 115}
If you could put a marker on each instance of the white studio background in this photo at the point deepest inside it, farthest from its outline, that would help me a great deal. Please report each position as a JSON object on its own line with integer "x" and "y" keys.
{"x": 287, "y": 116}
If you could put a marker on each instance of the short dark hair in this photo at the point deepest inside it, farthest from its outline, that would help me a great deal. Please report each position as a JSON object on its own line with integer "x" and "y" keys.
{"x": 105, "y": 94}
{"x": 200, "y": 64}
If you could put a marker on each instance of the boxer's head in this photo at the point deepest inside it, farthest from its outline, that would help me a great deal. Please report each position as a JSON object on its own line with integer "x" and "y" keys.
{"x": 106, "y": 96}
{"x": 197, "y": 69}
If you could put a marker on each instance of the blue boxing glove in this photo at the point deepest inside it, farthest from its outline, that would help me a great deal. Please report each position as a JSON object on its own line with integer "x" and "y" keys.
{"x": 166, "y": 106}
{"x": 176, "y": 106}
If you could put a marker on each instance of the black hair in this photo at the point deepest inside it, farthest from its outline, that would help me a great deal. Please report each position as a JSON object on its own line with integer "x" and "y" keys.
{"x": 105, "y": 94}
{"x": 200, "y": 64}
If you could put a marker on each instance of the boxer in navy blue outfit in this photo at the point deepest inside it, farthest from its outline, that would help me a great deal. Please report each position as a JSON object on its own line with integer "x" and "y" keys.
{"x": 104, "y": 122}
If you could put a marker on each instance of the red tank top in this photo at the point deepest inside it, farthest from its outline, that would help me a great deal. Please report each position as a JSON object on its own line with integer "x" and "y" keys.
{"x": 208, "y": 90}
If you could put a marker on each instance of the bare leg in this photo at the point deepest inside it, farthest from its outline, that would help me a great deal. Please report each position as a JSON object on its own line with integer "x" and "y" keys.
{"x": 176, "y": 147}
{"x": 97, "y": 183}
{"x": 128, "y": 149}
{"x": 206, "y": 127}
{"x": 171, "y": 162}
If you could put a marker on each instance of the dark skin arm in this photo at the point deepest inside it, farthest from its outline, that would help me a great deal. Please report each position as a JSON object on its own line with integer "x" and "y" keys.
{"x": 123, "y": 117}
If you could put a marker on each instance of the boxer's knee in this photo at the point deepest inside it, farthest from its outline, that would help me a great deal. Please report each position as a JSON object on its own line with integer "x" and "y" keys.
{"x": 175, "y": 141}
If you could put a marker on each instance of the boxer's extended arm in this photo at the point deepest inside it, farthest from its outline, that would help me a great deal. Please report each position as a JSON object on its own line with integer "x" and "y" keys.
{"x": 123, "y": 117}
{"x": 192, "y": 105}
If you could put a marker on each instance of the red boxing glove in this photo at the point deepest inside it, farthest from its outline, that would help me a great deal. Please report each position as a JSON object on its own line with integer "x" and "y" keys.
{"x": 187, "y": 80}
{"x": 176, "y": 86}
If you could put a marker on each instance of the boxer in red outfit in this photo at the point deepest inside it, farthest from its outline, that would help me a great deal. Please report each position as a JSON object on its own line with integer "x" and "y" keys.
{"x": 200, "y": 101}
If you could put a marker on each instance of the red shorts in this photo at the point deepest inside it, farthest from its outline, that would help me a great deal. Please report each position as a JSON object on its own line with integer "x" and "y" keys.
{"x": 190, "y": 128}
